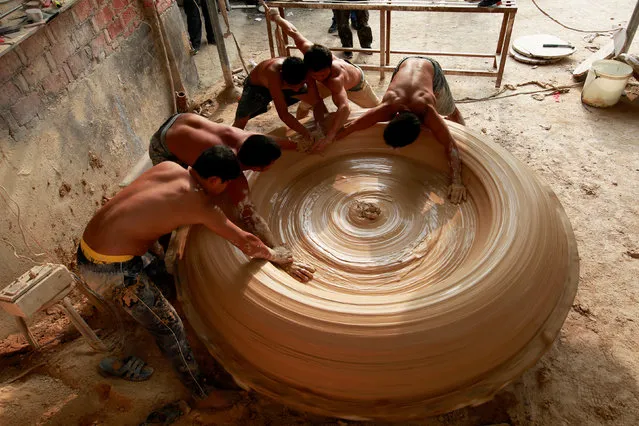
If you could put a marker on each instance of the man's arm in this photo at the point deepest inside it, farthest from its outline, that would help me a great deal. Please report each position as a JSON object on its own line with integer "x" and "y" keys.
{"x": 252, "y": 222}
{"x": 301, "y": 42}
{"x": 213, "y": 218}
{"x": 319, "y": 109}
{"x": 436, "y": 124}
{"x": 341, "y": 115}
{"x": 275, "y": 89}
{"x": 382, "y": 112}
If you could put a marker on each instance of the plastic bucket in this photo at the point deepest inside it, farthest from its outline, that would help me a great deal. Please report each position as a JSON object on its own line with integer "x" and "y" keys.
{"x": 605, "y": 83}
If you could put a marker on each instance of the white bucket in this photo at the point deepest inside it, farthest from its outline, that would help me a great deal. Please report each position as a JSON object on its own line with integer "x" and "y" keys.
{"x": 605, "y": 83}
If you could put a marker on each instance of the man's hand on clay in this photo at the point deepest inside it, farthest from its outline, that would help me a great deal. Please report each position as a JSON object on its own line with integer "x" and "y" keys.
{"x": 254, "y": 247}
{"x": 299, "y": 271}
{"x": 321, "y": 145}
{"x": 457, "y": 193}
{"x": 281, "y": 256}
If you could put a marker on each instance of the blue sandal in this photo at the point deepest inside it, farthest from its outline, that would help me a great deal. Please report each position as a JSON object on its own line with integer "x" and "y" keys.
{"x": 130, "y": 368}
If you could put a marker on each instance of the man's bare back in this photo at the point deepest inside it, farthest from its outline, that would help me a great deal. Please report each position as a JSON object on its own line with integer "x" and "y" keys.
{"x": 266, "y": 72}
{"x": 160, "y": 200}
{"x": 412, "y": 86}
{"x": 201, "y": 134}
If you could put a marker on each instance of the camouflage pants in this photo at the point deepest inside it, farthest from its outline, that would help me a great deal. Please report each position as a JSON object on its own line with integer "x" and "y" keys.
{"x": 128, "y": 284}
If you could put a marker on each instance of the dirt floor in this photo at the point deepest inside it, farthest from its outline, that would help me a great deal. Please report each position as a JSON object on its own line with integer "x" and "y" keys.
{"x": 588, "y": 156}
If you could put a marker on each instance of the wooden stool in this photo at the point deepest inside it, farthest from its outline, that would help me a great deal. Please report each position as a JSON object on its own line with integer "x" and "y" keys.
{"x": 40, "y": 288}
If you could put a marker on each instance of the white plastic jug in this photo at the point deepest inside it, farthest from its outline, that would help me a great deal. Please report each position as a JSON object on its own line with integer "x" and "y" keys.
{"x": 605, "y": 83}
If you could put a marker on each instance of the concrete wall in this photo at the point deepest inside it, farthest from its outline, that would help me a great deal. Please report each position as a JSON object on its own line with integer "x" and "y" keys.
{"x": 79, "y": 100}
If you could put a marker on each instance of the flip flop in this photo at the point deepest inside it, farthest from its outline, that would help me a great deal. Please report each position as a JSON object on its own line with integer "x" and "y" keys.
{"x": 130, "y": 368}
{"x": 167, "y": 415}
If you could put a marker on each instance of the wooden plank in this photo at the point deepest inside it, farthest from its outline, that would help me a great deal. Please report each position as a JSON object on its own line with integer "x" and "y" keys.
{"x": 382, "y": 43}
{"x": 394, "y": 5}
{"x": 504, "y": 55}
{"x": 408, "y": 52}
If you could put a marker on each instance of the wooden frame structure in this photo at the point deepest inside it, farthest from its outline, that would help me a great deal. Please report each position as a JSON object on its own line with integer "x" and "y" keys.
{"x": 508, "y": 9}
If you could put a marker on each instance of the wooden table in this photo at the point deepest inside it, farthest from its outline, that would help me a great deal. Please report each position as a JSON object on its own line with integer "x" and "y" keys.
{"x": 508, "y": 9}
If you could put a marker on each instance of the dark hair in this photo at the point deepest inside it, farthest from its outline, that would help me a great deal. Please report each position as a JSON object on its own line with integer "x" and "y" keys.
{"x": 259, "y": 151}
{"x": 402, "y": 130}
{"x": 318, "y": 57}
{"x": 218, "y": 161}
{"x": 294, "y": 70}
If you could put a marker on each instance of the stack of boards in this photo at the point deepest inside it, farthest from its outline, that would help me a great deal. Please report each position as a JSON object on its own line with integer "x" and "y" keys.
{"x": 530, "y": 49}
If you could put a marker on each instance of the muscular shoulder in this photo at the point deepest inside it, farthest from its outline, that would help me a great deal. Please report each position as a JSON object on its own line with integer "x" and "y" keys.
{"x": 166, "y": 171}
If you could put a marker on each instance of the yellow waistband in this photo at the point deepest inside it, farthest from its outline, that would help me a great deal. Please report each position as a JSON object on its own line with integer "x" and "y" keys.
{"x": 96, "y": 257}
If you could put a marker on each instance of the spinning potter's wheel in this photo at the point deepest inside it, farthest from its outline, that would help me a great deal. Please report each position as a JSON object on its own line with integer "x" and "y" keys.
{"x": 418, "y": 306}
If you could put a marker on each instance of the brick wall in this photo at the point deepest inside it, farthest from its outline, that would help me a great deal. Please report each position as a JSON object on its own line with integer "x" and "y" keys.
{"x": 38, "y": 71}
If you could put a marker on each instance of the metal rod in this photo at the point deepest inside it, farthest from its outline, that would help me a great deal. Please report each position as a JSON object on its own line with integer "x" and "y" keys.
{"x": 221, "y": 44}
{"x": 382, "y": 43}
{"x": 503, "y": 56}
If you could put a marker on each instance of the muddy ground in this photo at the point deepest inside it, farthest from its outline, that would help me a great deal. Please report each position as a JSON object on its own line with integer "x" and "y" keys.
{"x": 589, "y": 157}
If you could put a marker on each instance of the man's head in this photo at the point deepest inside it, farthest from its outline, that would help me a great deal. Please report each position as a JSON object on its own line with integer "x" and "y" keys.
{"x": 319, "y": 59}
{"x": 258, "y": 152}
{"x": 216, "y": 167}
{"x": 403, "y": 129}
{"x": 294, "y": 72}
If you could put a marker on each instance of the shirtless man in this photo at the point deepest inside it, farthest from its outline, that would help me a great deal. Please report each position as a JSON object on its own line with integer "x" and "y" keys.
{"x": 183, "y": 137}
{"x": 340, "y": 79}
{"x": 416, "y": 96}
{"x": 285, "y": 82}
{"x": 110, "y": 254}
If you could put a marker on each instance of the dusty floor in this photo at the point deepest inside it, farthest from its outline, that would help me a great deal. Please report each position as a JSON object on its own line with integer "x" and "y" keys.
{"x": 589, "y": 157}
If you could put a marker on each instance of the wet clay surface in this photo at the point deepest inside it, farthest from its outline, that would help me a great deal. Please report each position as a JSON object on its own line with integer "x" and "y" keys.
{"x": 412, "y": 293}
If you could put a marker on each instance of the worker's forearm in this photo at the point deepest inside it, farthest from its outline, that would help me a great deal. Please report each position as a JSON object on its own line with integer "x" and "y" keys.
{"x": 293, "y": 124}
{"x": 288, "y": 28}
{"x": 454, "y": 163}
{"x": 256, "y": 225}
{"x": 319, "y": 111}
{"x": 340, "y": 119}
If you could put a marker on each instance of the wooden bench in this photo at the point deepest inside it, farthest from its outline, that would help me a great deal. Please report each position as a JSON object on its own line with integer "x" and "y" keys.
{"x": 508, "y": 9}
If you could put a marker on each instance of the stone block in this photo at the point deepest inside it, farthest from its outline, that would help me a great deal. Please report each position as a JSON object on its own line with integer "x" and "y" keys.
{"x": 119, "y": 5}
{"x": 130, "y": 15}
{"x": 36, "y": 71}
{"x": 26, "y": 109}
{"x": 9, "y": 94}
{"x": 79, "y": 62}
{"x": 100, "y": 45}
{"x": 103, "y": 17}
{"x": 61, "y": 51}
{"x": 22, "y": 84}
{"x": 9, "y": 65}
{"x": 115, "y": 28}
{"x": 62, "y": 26}
{"x": 35, "y": 45}
{"x": 55, "y": 82}
{"x": 83, "y": 9}
{"x": 83, "y": 35}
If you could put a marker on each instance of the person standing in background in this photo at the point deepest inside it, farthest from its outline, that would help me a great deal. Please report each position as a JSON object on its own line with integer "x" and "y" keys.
{"x": 194, "y": 23}
{"x": 364, "y": 32}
